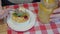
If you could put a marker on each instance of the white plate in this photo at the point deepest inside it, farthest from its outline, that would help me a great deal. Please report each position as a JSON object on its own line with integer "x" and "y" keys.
{"x": 22, "y": 26}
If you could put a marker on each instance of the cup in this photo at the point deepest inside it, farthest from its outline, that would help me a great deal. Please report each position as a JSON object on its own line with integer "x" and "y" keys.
{"x": 46, "y": 9}
{"x": 44, "y": 14}
{"x": 49, "y": 3}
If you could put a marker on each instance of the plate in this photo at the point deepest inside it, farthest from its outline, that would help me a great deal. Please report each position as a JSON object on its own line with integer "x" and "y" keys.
{"x": 22, "y": 26}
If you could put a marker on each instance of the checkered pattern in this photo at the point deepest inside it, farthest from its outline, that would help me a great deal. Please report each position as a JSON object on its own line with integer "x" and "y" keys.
{"x": 39, "y": 28}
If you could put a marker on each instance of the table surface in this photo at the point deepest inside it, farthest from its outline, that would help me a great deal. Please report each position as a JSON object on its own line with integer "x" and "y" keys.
{"x": 3, "y": 28}
{"x": 39, "y": 28}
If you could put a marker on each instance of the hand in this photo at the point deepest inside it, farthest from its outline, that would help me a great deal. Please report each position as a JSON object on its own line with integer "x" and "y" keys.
{"x": 3, "y": 13}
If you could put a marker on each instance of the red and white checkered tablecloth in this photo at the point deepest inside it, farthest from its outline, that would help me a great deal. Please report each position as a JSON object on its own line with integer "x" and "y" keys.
{"x": 39, "y": 28}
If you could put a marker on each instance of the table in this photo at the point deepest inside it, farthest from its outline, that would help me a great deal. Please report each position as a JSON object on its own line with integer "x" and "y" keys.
{"x": 3, "y": 28}
{"x": 38, "y": 28}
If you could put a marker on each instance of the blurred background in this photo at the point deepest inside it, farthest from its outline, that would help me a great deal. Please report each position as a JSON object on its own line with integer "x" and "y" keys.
{"x": 12, "y": 2}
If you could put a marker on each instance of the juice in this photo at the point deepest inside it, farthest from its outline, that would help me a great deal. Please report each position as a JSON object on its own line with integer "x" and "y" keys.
{"x": 46, "y": 9}
{"x": 49, "y": 3}
{"x": 44, "y": 14}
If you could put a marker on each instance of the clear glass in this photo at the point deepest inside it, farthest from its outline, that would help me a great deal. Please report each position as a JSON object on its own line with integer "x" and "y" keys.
{"x": 3, "y": 25}
{"x": 46, "y": 9}
{"x": 3, "y": 14}
{"x": 49, "y": 3}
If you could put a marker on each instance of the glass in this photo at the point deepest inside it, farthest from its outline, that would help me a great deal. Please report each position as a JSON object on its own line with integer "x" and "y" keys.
{"x": 49, "y": 3}
{"x": 46, "y": 9}
{"x": 3, "y": 14}
{"x": 3, "y": 25}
